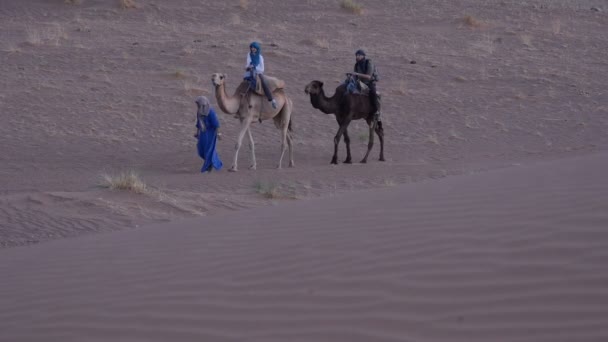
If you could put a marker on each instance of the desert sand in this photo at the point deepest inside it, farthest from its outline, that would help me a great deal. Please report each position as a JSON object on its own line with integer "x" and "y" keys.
{"x": 487, "y": 222}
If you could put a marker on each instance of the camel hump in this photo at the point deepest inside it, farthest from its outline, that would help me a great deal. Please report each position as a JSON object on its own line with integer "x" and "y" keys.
{"x": 273, "y": 84}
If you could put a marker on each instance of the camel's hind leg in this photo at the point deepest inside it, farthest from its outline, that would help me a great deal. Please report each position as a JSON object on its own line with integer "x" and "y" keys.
{"x": 380, "y": 132}
{"x": 289, "y": 136}
{"x": 290, "y": 143}
{"x": 252, "y": 149}
{"x": 349, "y": 159}
{"x": 282, "y": 120}
{"x": 370, "y": 142}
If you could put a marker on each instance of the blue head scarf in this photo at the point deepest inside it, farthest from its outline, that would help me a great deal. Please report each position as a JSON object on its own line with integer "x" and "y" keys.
{"x": 255, "y": 58}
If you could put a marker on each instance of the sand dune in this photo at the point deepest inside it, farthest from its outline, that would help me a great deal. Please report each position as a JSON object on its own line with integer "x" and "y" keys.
{"x": 486, "y": 223}
{"x": 91, "y": 88}
{"x": 509, "y": 255}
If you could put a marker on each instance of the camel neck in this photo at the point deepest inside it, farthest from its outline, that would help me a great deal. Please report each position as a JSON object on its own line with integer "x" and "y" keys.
{"x": 324, "y": 104}
{"x": 228, "y": 104}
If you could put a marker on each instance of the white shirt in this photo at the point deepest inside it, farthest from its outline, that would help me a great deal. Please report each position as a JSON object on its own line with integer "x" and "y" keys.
{"x": 258, "y": 69}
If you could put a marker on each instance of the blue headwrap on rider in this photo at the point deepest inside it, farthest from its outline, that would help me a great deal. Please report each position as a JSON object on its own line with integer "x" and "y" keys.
{"x": 255, "y": 58}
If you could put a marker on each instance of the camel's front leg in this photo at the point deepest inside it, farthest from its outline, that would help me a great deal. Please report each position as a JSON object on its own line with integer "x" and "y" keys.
{"x": 244, "y": 127}
{"x": 334, "y": 159}
{"x": 252, "y": 148}
{"x": 370, "y": 142}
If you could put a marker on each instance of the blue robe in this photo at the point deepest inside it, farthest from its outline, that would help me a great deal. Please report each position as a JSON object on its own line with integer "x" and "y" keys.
{"x": 207, "y": 139}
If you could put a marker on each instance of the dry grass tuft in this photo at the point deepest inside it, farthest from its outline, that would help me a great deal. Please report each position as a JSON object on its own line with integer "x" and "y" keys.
{"x": 389, "y": 182}
{"x": 526, "y": 39}
{"x": 127, "y": 4}
{"x": 351, "y": 6}
{"x": 268, "y": 190}
{"x": 322, "y": 43}
{"x": 179, "y": 74}
{"x": 128, "y": 180}
{"x": 432, "y": 138}
{"x": 12, "y": 49}
{"x": 471, "y": 21}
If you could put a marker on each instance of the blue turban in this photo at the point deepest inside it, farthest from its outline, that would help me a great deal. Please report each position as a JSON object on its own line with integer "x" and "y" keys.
{"x": 255, "y": 58}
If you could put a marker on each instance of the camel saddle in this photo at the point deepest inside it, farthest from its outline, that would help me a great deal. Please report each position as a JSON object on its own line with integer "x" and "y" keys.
{"x": 359, "y": 88}
{"x": 273, "y": 84}
{"x": 363, "y": 88}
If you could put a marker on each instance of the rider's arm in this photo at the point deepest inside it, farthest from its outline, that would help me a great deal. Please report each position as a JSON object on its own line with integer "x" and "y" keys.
{"x": 260, "y": 67}
{"x": 248, "y": 62}
{"x": 368, "y": 73}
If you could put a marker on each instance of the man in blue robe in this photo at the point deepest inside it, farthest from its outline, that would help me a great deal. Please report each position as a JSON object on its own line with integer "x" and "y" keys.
{"x": 207, "y": 126}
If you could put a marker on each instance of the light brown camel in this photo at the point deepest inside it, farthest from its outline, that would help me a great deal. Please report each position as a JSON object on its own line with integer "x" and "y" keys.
{"x": 249, "y": 107}
{"x": 346, "y": 107}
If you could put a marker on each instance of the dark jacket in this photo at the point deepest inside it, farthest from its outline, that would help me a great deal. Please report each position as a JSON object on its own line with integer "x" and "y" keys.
{"x": 365, "y": 67}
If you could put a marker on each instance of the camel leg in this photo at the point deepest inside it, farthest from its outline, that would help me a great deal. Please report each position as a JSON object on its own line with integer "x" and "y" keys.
{"x": 289, "y": 137}
{"x": 348, "y": 159}
{"x": 380, "y": 132}
{"x": 244, "y": 127}
{"x": 283, "y": 146}
{"x": 252, "y": 148}
{"x": 370, "y": 142}
{"x": 334, "y": 159}
{"x": 285, "y": 116}
{"x": 290, "y": 143}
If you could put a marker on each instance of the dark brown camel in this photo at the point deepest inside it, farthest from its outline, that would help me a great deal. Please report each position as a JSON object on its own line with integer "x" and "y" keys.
{"x": 346, "y": 107}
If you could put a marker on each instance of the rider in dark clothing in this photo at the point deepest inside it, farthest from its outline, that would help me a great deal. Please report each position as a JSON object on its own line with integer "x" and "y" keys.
{"x": 364, "y": 70}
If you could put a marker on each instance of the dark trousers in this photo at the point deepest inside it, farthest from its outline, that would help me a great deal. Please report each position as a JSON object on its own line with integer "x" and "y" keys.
{"x": 264, "y": 85}
{"x": 373, "y": 96}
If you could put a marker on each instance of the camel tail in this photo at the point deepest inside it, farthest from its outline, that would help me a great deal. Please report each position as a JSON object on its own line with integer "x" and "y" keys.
{"x": 289, "y": 126}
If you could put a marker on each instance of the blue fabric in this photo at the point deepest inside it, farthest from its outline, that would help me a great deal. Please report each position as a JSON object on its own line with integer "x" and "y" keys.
{"x": 207, "y": 140}
{"x": 252, "y": 81}
{"x": 255, "y": 58}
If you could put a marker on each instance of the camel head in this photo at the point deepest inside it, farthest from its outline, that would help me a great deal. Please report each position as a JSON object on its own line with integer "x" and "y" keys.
{"x": 218, "y": 79}
{"x": 314, "y": 88}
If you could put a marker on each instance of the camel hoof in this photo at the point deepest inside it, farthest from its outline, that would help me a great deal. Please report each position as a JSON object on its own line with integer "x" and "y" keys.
{"x": 348, "y": 161}
{"x": 232, "y": 169}
{"x": 364, "y": 161}
{"x": 334, "y": 161}
{"x": 381, "y": 159}
{"x": 253, "y": 167}
{"x": 292, "y": 164}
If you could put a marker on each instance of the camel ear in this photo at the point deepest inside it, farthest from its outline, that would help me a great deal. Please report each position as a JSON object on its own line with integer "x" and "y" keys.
{"x": 320, "y": 84}
{"x": 223, "y": 76}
